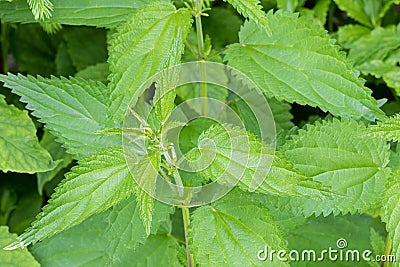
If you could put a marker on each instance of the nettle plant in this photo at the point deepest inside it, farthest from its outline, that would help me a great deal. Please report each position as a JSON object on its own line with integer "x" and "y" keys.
{"x": 333, "y": 182}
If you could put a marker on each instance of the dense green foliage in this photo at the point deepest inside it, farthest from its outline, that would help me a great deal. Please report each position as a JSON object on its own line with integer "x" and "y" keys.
{"x": 330, "y": 70}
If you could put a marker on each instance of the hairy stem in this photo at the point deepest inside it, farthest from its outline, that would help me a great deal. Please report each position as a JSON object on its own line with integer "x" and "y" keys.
{"x": 186, "y": 222}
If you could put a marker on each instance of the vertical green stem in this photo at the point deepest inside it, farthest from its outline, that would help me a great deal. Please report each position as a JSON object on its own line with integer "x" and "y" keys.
{"x": 200, "y": 56}
{"x": 186, "y": 222}
{"x": 388, "y": 248}
{"x": 4, "y": 46}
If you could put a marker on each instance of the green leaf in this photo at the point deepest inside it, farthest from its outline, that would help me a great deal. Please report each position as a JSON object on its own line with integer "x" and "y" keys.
{"x": 370, "y": 47}
{"x": 391, "y": 211}
{"x": 86, "y": 46}
{"x": 98, "y": 72}
{"x": 20, "y": 258}
{"x": 96, "y": 184}
{"x": 58, "y": 153}
{"x": 252, "y": 10}
{"x": 390, "y": 73}
{"x": 115, "y": 237}
{"x": 146, "y": 171}
{"x": 299, "y": 63}
{"x": 339, "y": 155}
{"x": 100, "y": 13}
{"x": 389, "y": 129}
{"x": 350, "y": 33}
{"x": 166, "y": 82}
{"x": 41, "y": 9}
{"x": 367, "y": 12}
{"x": 240, "y": 155}
{"x": 139, "y": 48}
{"x": 232, "y": 230}
{"x": 73, "y": 110}
{"x": 20, "y": 147}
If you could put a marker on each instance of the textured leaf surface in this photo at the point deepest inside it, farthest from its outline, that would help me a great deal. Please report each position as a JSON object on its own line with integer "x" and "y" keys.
{"x": 139, "y": 48}
{"x": 339, "y": 155}
{"x": 96, "y": 184}
{"x": 146, "y": 176}
{"x": 20, "y": 258}
{"x": 100, "y": 13}
{"x": 299, "y": 63}
{"x": 72, "y": 109}
{"x": 388, "y": 129}
{"x": 232, "y": 230}
{"x": 251, "y": 9}
{"x": 239, "y": 155}
{"x": 111, "y": 238}
{"x": 20, "y": 149}
{"x": 391, "y": 211}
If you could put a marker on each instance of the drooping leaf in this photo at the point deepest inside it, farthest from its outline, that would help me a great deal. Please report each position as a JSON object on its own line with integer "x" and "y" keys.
{"x": 339, "y": 155}
{"x": 370, "y": 46}
{"x": 96, "y": 184}
{"x": 100, "y": 13}
{"x": 239, "y": 157}
{"x": 58, "y": 153}
{"x": 232, "y": 230}
{"x": 388, "y": 129}
{"x": 139, "y": 48}
{"x": 299, "y": 63}
{"x": 252, "y": 10}
{"x": 114, "y": 237}
{"x": 19, "y": 145}
{"x": 73, "y": 110}
{"x": 20, "y": 258}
